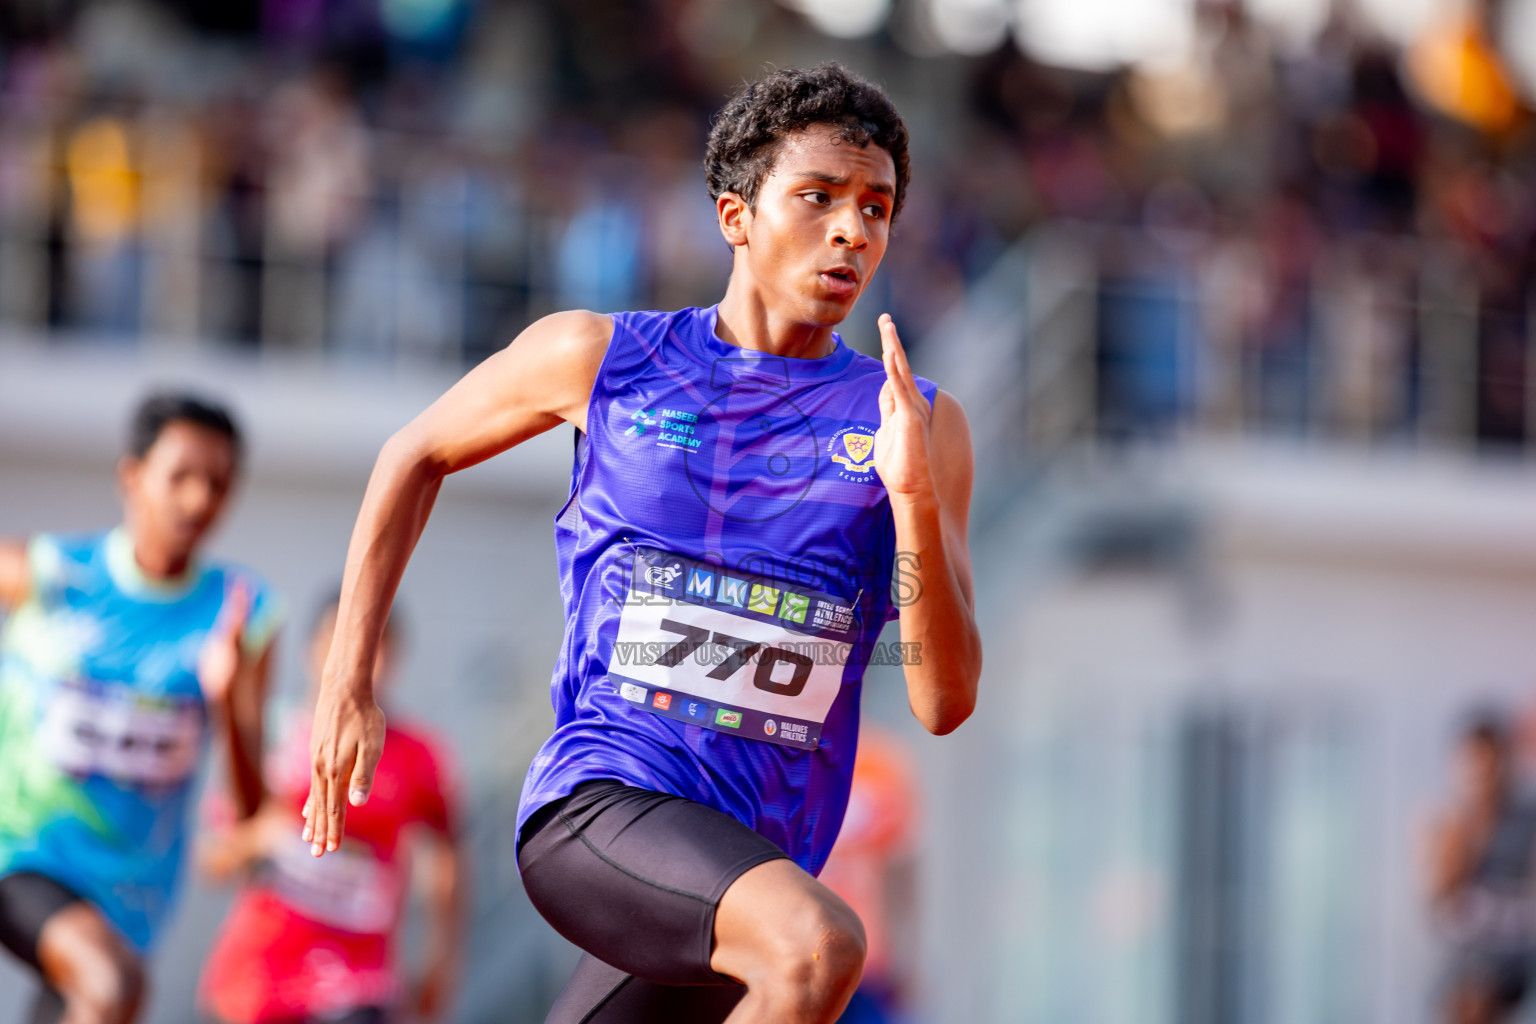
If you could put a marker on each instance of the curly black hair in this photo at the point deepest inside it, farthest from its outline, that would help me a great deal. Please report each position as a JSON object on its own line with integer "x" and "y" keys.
{"x": 745, "y": 137}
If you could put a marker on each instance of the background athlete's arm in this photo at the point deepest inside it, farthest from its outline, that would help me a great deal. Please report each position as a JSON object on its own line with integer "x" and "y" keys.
{"x": 15, "y": 574}
{"x": 445, "y": 874}
{"x": 924, "y": 458}
{"x": 234, "y": 682}
{"x": 543, "y": 378}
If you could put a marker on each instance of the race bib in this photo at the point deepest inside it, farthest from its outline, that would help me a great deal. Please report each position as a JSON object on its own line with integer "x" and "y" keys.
{"x": 107, "y": 729}
{"x": 349, "y": 889}
{"x": 730, "y": 651}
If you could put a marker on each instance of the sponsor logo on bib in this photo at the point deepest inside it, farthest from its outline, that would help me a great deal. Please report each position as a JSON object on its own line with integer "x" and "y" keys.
{"x": 632, "y": 692}
{"x": 770, "y": 727}
{"x": 730, "y": 719}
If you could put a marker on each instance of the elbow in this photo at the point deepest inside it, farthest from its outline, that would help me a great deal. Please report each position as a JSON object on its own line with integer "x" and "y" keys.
{"x": 948, "y": 720}
{"x": 406, "y": 455}
{"x": 945, "y": 716}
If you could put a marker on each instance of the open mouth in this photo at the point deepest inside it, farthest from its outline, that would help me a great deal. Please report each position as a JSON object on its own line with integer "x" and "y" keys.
{"x": 840, "y": 280}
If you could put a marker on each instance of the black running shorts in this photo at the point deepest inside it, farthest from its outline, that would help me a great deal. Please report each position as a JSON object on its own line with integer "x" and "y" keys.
{"x": 27, "y": 901}
{"x": 633, "y": 877}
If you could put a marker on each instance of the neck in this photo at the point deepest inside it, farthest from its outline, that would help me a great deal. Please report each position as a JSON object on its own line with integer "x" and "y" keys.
{"x": 157, "y": 562}
{"x": 746, "y": 322}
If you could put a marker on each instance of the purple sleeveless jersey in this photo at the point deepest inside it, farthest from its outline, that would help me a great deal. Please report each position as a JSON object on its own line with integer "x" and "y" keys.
{"x": 726, "y": 562}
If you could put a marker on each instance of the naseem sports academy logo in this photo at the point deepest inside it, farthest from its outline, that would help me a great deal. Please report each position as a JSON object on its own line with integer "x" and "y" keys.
{"x": 853, "y": 450}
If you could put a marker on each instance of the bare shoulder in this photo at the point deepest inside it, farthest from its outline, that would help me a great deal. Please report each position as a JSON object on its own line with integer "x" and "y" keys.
{"x": 566, "y": 349}
{"x": 951, "y": 456}
{"x": 577, "y": 332}
{"x": 951, "y": 429}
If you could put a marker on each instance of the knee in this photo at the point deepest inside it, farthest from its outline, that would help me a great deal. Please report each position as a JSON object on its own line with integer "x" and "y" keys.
{"x": 111, "y": 993}
{"x": 818, "y": 962}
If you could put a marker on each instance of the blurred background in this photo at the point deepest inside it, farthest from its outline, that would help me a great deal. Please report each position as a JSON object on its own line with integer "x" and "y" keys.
{"x": 1238, "y": 294}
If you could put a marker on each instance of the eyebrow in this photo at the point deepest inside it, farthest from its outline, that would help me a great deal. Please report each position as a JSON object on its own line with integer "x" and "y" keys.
{"x": 838, "y": 179}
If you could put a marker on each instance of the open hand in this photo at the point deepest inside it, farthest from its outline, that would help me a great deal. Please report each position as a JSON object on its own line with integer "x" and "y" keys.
{"x": 218, "y": 662}
{"x": 345, "y": 745}
{"x": 901, "y": 443}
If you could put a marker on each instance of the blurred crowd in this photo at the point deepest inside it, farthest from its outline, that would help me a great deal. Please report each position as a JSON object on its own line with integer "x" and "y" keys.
{"x": 1336, "y": 234}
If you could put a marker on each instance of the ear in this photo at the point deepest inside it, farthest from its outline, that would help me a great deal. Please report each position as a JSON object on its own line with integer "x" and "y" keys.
{"x": 127, "y": 473}
{"x": 735, "y": 217}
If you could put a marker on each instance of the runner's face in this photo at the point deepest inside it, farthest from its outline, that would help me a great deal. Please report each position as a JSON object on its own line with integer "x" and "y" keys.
{"x": 821, "y": 225}
{"x": 174, "y": 494}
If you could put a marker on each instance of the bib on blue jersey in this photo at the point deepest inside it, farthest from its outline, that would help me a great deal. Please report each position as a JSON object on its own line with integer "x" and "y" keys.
{"x": 102, "y": 721}
{"x": 730, "y": 650}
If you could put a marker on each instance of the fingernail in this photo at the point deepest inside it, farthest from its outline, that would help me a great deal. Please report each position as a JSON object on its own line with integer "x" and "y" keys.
{"x": 315, "y": 849}
{"x": 357, "y": 797}
{"x": 330, "y": 844}
{"x": 309, "y": 833}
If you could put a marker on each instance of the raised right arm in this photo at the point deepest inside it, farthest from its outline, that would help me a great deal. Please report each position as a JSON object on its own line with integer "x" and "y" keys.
{"x": 543, "y": 378}
{"x": 15, "y": 573}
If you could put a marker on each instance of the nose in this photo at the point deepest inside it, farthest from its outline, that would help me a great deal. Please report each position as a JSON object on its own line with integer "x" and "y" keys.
{"x": 198, "y": 497}
{"x": 847, "y": 229}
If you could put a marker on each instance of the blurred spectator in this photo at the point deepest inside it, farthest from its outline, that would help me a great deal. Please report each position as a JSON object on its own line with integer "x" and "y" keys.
{"x": 104, "y": 193}
{"x": 1480, "y": 875}
{"x": 318, "y": 184}
{"x": 1292, "y": 235}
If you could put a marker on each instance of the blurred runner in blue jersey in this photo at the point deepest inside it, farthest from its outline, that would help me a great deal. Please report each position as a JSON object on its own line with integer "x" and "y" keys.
{"x": 123, "y": 653}
{"x": 751, "y": 502}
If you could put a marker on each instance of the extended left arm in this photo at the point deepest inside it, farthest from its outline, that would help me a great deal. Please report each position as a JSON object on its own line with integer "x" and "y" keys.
{"x": 924, "y": 457}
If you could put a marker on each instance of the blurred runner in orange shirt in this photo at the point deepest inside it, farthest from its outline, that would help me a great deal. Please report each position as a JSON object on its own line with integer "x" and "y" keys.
{"x": 872, "y": 868}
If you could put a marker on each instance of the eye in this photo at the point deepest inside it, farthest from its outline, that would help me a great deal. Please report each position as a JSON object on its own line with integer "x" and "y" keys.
{"x": 819, "y": 198}
{"x": 875, "y": 210}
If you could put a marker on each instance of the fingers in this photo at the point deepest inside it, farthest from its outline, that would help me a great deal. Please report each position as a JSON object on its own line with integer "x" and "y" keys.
{"x": 335, "y": 812}
{"x": 362, "y": 777}
{"x": 236, "y": 609}
{"x": 896, "y": 366}
{"x": 314, "y": 832}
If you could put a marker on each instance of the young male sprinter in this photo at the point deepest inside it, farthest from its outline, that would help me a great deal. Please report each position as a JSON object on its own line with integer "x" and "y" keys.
{"x": 122, "y": 653}
{"x": 744, "y": 485}
{"x": 314, "y": 940}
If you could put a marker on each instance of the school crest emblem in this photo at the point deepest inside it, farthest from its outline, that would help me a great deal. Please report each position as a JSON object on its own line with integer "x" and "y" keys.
{"x": 855, "y": 457}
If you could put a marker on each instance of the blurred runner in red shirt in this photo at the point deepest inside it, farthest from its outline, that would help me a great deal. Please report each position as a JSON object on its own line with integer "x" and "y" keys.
{"x": 312, "y": 939}
{"x": 871, "y": 868}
